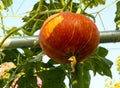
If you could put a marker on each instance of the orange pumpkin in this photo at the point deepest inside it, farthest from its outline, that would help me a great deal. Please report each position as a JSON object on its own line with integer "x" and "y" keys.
{"x": 68, "y": 34}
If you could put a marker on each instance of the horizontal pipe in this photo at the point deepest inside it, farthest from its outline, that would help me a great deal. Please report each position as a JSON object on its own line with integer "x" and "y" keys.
{"x": 109, "y": 36}
{"x": 29, "y": 41}
{"x": 19, "y": 42}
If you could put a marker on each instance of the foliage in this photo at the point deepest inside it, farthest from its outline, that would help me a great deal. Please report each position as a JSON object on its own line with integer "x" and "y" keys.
{"x": 28, "y": 67}
{"x": 52, "y": 78}
{"x": 58, "y": 5}
{"x": 7, "y": 3}
{"x": 91, "y": 3}
{"x": 96, "y": 63}
{"x": 28, "y": 62}
{"x": 110, "y": 83}
{"x": 117, "y": 18}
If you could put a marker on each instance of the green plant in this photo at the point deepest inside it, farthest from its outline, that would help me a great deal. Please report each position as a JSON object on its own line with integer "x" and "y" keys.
{"x": 28, "y": 61}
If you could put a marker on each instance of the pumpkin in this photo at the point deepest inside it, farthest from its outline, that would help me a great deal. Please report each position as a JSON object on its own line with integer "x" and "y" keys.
{"x": 68, "y": 34}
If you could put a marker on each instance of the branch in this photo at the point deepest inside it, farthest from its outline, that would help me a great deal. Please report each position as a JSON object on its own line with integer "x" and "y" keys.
{"x": 29, "y": 41}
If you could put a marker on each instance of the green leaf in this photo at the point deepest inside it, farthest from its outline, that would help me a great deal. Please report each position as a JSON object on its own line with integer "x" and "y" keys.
{"x": 110, "y": 63}
{"x": 117, "y": 17}
{"x": 3, "y": 81}
{"x": 101, "y": 51}
{"x": 98, "y": 63}
{"x": 52, "y": 78}
{"x": 40, "y": 7}
{"x": 12, "y": 56}
{"x": 26, "y": 70}
{"x": 27, "y": 82}
{"x": 11, "y": 78}
{"x": 28, "y": 53}
{"x": 7, "y": 3}
{"x": 92, "y": 3}
{"x": 81, "y": 79}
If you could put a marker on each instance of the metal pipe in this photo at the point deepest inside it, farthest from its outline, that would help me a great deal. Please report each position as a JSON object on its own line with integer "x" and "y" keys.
{"x": 109, "y": 36}
{"x": 29, "y": 41}
{"x": 19, "y": 42}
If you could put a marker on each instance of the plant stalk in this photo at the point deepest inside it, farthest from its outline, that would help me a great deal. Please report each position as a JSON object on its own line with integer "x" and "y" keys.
{"x": 72, "y": 73}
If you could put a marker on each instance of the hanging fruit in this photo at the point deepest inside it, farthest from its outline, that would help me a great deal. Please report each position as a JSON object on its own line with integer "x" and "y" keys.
{"x": 66, "y": 34}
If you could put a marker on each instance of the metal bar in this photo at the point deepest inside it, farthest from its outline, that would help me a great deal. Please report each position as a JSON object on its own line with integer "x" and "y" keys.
{"x": 19, "y": 42}
{"x": 109, "y": 36}
{"x": 29, "y": 41}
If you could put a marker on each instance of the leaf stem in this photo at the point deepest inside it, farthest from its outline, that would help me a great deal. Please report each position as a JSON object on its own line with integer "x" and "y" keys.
{"x": 66, "y": 5}
{"x": 87, "y": 5}
{"x": 10, "y": 33}
{"x": 101, "y": 21}
{"x": 2, "y": 23}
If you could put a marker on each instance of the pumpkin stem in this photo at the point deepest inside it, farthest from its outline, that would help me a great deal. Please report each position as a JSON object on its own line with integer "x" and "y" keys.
{"x": 73, "y": 62}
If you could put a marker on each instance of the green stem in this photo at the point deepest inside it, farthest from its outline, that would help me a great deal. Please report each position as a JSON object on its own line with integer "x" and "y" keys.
{"x": 51, "y": 11}
{"x": 2, "y": 23}
{"x": 71, "y": 72}
{"x": 70, "y": 81}
{"x": 87, "y": 5}
{"x": 10, "y": 33}
{"x": 40, "y": 5}
{"x": 71, "y": 5}
{"x": 20, "y": 5}
{"x": 101, "y": 21}
{"x": 66, "y": 5}
{"x": 37, "y": 13}
{"x": 75, "y": 79}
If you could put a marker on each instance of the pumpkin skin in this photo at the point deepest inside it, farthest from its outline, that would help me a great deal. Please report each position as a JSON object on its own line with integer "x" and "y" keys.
{"x": 68, "y": 34}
